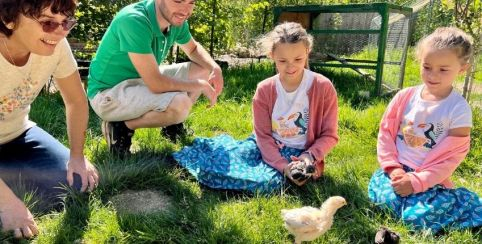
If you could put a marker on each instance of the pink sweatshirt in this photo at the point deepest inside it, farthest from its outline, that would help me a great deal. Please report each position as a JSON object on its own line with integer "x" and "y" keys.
{"x": 440, "y": 162}
{"x": 322, "y": 128}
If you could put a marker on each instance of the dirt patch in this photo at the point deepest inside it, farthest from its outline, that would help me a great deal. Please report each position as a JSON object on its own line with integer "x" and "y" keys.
{"x": 141, "y": 202}
{"x": 233, "y": 61}
{"x": 476, "y": 88}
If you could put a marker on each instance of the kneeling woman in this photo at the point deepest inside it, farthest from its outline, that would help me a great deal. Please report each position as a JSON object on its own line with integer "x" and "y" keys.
{"x": 33, "y": 48}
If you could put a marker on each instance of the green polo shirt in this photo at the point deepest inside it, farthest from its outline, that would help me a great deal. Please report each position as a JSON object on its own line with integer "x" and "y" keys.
{"x": 134, "y": 29}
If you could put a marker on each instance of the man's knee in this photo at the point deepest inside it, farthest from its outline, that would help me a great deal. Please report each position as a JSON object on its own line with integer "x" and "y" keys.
{"x": 180, "y": 107}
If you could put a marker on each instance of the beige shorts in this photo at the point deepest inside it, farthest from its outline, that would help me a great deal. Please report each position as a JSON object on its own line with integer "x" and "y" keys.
{"x": 131, "y": 98}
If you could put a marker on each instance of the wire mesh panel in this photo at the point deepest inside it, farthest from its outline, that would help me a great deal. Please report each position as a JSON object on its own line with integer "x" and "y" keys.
{"x": 372, "y": 38}
{"x": 395, "y": 53}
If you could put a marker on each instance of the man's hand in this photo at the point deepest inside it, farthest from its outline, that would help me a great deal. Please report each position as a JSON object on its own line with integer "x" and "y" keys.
{"x": 402, "y": 185}
{"x": 208, "y": 91}
{"x": 17, "y": 218}
{"x": 216, "y": 80}
{"x": 87, "y": 172}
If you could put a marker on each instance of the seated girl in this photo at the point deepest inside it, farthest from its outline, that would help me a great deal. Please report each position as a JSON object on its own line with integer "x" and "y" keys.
{"x": 295, "y": 125}
{"x": 424, "y": 136}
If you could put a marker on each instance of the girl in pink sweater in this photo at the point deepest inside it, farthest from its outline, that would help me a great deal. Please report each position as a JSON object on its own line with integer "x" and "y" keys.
{"x": 295, "y": 125}
{"x": 424, "y": 135}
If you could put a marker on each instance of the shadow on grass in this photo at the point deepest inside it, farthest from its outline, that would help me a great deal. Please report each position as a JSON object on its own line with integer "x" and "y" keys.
{"x": 186, "y": 221}
{"x": 75, "y": 219}
{"x": 7, "y": 237}
{"x": 478, "y": 233}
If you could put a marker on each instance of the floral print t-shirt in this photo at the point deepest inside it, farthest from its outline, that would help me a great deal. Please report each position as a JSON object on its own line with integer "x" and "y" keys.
{"x": 19, "y": 86}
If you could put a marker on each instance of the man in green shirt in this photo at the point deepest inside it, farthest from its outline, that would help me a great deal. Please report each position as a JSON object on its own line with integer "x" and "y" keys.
{"x": 129, "y": 88}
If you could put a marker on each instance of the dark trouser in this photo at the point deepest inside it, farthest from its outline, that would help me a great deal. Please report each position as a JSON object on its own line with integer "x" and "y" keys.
{"x": 36, "y": 162}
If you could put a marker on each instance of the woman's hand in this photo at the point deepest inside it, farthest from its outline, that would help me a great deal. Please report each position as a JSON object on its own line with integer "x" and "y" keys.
{"x": 15, "y": 217}
{"x": 402, "y": 185}
{"x": 87, "y": 172}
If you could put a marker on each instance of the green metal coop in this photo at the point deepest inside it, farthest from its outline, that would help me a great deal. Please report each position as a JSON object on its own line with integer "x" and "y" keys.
{"x": 371, "y": 39}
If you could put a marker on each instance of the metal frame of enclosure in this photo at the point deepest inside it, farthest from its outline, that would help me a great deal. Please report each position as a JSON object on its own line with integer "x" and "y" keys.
{"x": 347, "y": 30}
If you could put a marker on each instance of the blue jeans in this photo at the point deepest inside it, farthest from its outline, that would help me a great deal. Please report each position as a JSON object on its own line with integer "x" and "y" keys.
{"x": 36, "y": 162}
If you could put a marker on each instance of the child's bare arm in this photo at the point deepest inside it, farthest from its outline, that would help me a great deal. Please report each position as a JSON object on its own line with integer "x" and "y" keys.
{"x": 460, "y": 132}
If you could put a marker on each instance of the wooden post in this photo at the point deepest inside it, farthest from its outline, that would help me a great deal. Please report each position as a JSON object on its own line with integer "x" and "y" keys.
{"x": 213, "y": 22}
{"x": 265, "y": 16}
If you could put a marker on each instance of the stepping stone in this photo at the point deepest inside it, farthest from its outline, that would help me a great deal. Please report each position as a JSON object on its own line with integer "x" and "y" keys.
{"x": 141, "y": 202}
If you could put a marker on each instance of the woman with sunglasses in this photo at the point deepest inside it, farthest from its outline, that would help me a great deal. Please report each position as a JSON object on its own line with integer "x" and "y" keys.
{"x": 32, "y": 49}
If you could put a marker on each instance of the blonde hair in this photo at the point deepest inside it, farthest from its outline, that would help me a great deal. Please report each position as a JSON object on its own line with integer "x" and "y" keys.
{"x": 287, "y": 32}
{"x": 448, "y": 38}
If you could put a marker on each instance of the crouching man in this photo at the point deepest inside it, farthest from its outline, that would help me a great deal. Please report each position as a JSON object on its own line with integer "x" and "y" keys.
{"x": 129, "y": 89}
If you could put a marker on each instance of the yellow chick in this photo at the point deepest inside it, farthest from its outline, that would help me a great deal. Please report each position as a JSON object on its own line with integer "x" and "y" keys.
{"x": 308, "y": 223}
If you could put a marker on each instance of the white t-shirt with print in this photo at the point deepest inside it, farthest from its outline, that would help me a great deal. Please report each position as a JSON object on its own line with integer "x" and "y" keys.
{"x": 19, "y": 86}
{"x": 426, "y": 123}
{"x": 290, "y": 115}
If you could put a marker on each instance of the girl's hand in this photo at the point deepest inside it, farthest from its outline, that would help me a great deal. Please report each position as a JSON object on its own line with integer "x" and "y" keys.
{"x": 396, "y": 172}
{"x": 287, "y": 173}
{"x": 15, "y": 217}
{"x": 402, "y": 185}
{"x": 87, "y": 172}
{"x": 306, "y": 157}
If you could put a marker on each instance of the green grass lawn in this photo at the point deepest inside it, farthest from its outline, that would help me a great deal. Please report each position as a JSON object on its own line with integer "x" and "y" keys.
{"x": 202, "y": 215}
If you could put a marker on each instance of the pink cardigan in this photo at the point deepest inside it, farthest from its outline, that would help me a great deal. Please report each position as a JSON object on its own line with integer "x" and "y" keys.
{"x": 440, "y": 162}
{"x": 322, "y": 128}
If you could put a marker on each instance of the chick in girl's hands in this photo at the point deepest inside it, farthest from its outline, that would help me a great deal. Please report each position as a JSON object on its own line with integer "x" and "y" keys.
{"x": 300, "y": 169}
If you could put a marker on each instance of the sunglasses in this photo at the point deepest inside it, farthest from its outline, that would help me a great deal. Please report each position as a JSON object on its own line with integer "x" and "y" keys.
{"x": 49, "y": 26}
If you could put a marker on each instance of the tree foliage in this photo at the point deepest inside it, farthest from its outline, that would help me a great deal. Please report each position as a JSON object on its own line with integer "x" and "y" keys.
{"x": 226, "y": 25}
{"x": 235, "y": 23}
{"x": 94, "y": 16}
{"x": 468, "y": 16}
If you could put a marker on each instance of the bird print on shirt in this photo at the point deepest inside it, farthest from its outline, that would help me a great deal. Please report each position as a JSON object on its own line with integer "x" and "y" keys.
{"x": 423, "y": 135}
{"x": 299, "y": 122}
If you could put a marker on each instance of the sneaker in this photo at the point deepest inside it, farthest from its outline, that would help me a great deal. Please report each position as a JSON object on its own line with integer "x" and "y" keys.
{"x": 118, "y": 136}
{"x": 175, "y": 132}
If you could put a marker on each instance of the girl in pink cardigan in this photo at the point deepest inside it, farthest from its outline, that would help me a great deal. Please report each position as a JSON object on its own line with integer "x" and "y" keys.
{"x": 295, "y": 125}
{"x": 424, "y": 135}
{"x": 296, "y": 108}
